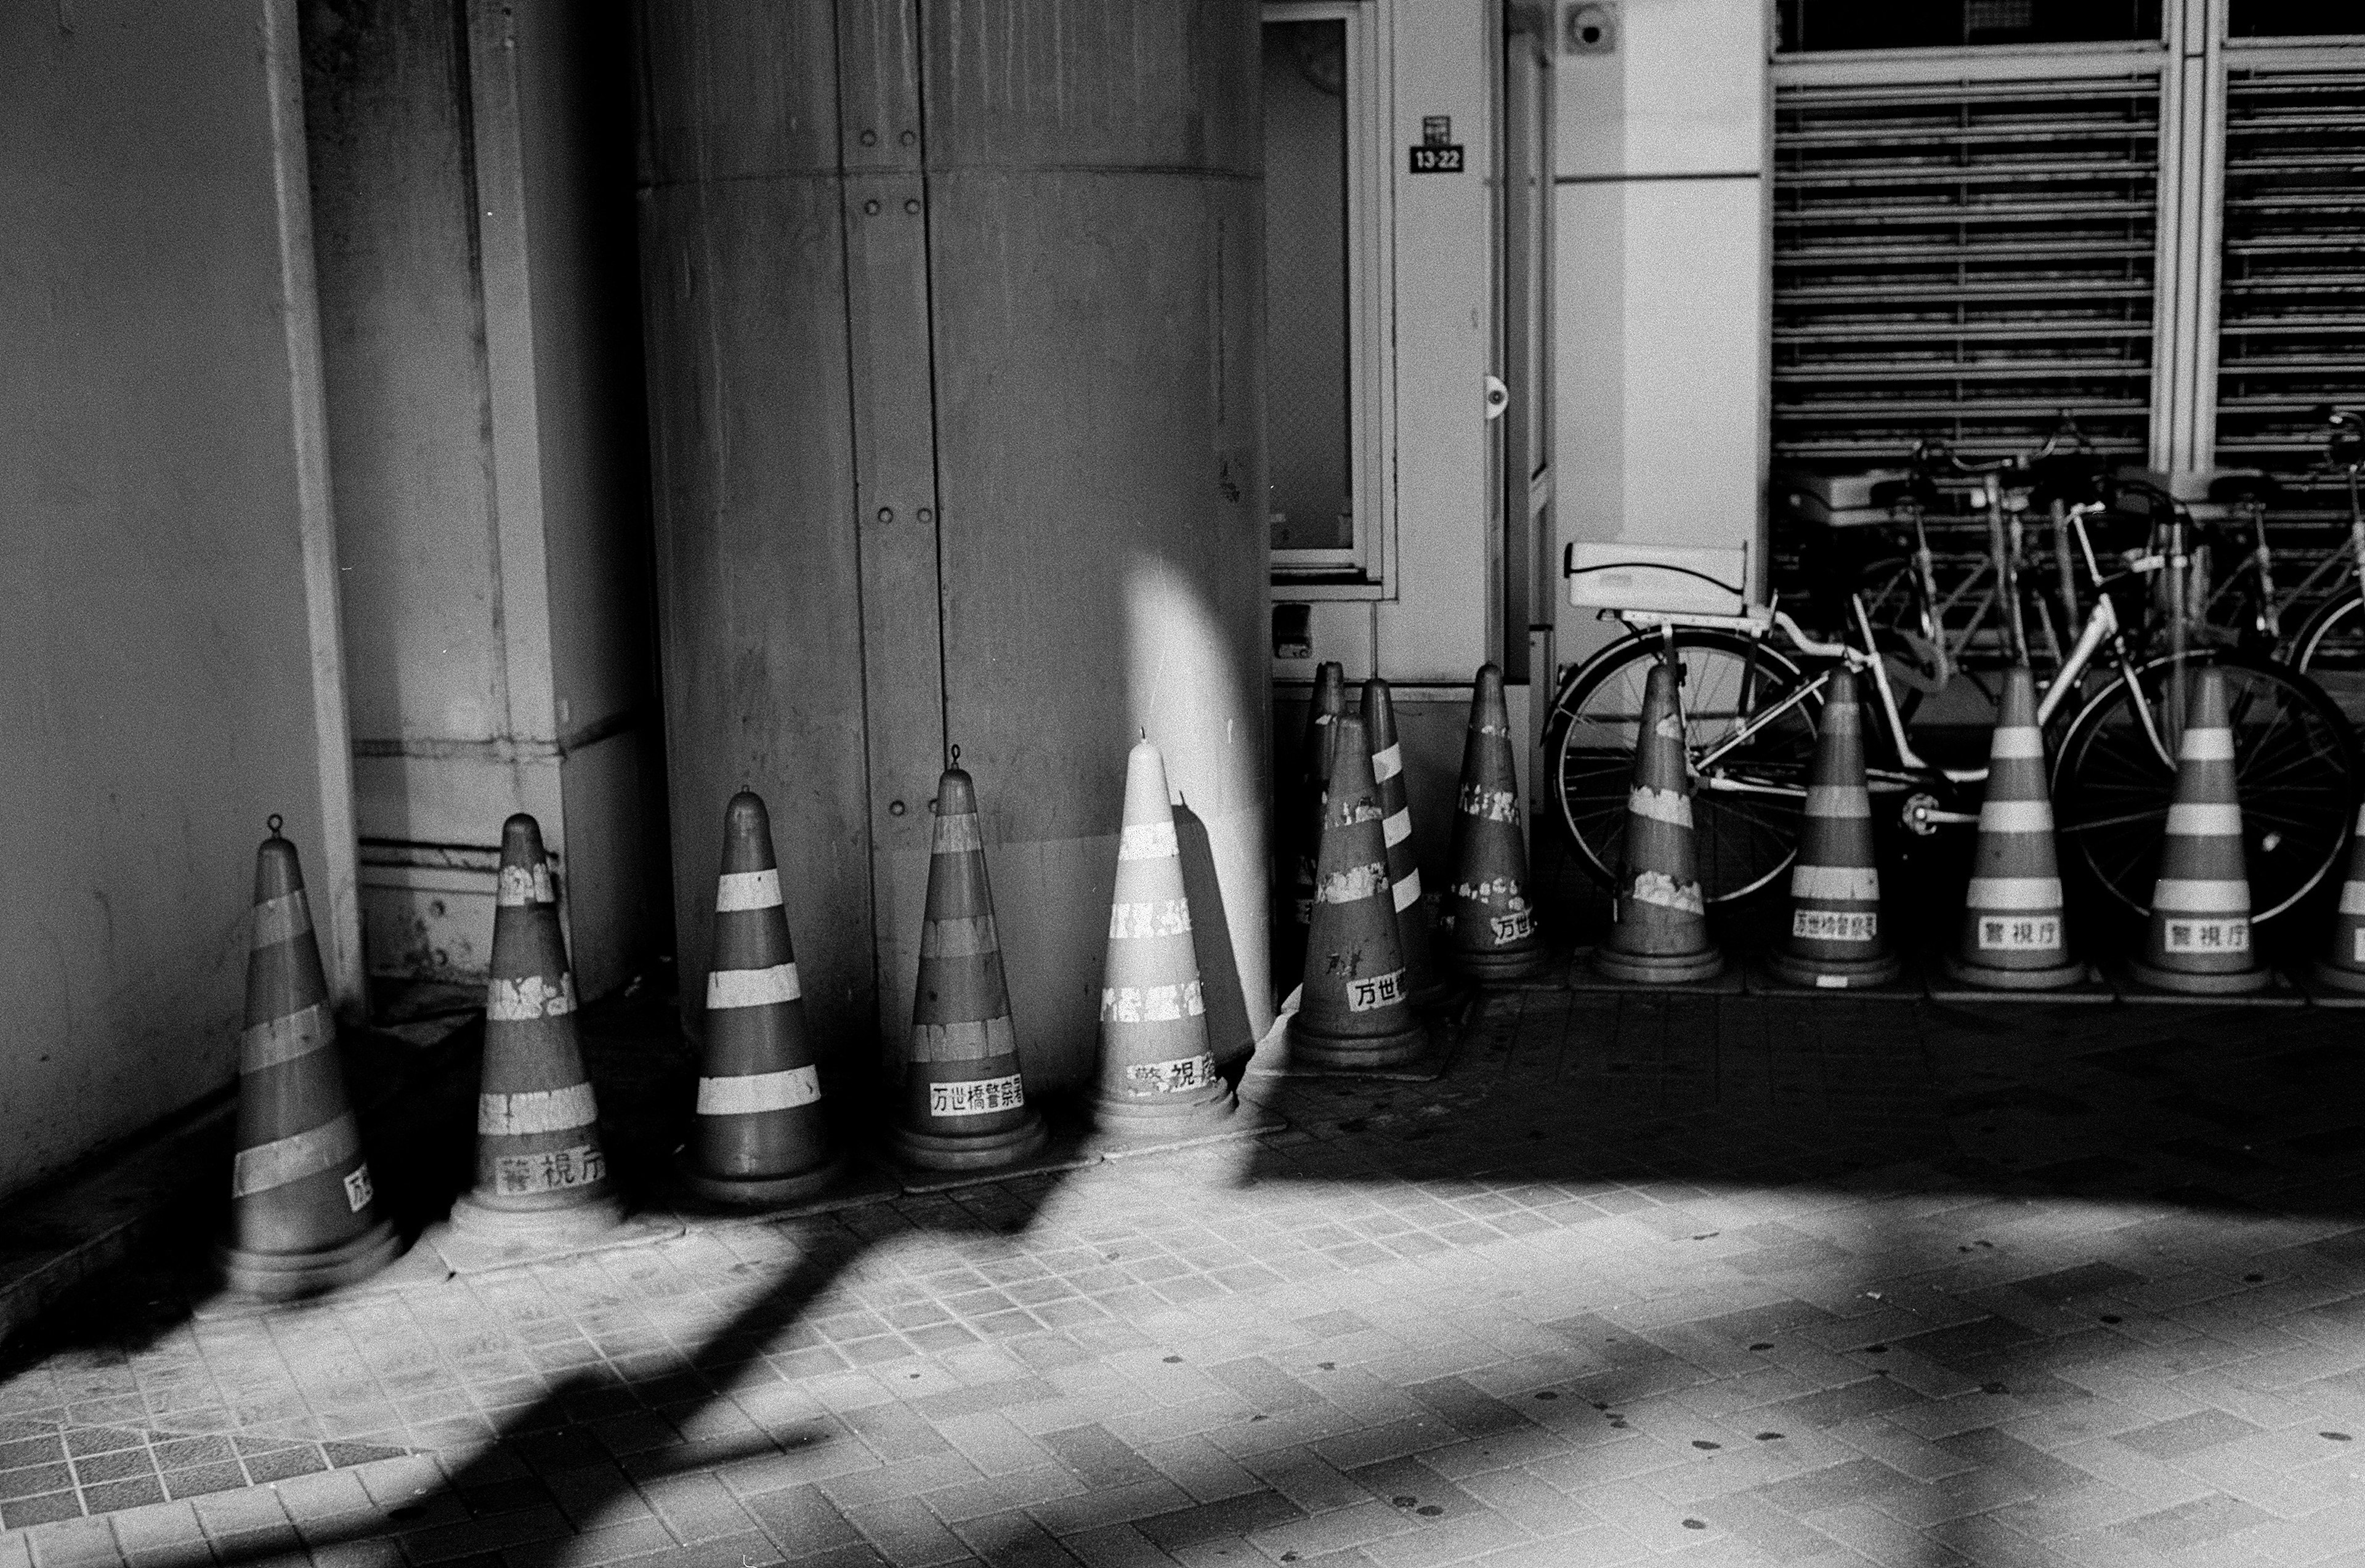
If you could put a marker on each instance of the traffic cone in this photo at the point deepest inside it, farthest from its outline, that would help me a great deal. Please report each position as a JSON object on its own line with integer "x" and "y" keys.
{"x": 1494, "y": 926}
{"x": 2014, "y": 934}
{"x": 1354, "y": 1011}
{"x": 302, "y": 1215}
{"x": 1304, "y": 829}
{"x": 1659, "y": 924}
{"x": 1423, "y": 985}
{"x": 2199, "y": 943}
{"x": 1835, "y": 941}
{"x": 1157, "y": 1074}
{"x": 542, "y": 1174}
{"x": 965, "y": 1100}
{"x": 2342, "y": 968}
{"x": 758, "y": 1135}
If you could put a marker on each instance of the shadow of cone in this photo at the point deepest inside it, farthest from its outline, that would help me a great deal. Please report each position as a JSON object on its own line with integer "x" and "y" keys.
{"x": 1835, "y": 941}
{"x": 1658, "y": 931}
{"x": 758, "y": 1135}
{"x": 964, "y": 1099}
{"x": 1354, "y": 1011}
{"x": 1302, "y": 831}
{"x": 1423, "y": 985}
{"x": 2015, "y": 934}
{"x": 542, "y": 1173}
{"x": 2342, "y": 968}
{"x": 1493, "y": 923}
{"x": 1157, "y": 1074}
{"x": 302, "y": 1216}
{"x": 2199, "y": 939}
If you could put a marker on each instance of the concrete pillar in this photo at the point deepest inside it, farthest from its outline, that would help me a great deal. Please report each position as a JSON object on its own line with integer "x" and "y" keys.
{"x": 474, "y": 238}
{"x": 956, "y": 381}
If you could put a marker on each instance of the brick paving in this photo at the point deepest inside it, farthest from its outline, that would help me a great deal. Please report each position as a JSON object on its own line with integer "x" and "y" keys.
{"x": 1715, "y": 1279}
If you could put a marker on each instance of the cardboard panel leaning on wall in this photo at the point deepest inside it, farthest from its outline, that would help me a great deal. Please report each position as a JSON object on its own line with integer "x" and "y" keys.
{"x": 167, "y": 612}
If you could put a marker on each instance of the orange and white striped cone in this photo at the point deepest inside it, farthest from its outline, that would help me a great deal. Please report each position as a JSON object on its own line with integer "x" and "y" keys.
{"x": 1157, "y": 1074}
{"x": 758, "y": 1135}
{"x": 2015, "y": 934}
{"x": 1658, "y": 932}
{"x": 2199, "y": 940}
{"x": 1354, "y": 1011}
{"x": 1835, "y": 942}
{"x": 1304, "y": 832}
{"x": 1494, "y": 934}
{"x": 542, "y": 1172}
{"x": 303, "y": 1217}
{"x": 964, "y": 1098}
{"x": 2342, "y": 968}
{"x": 1423, "y": 984}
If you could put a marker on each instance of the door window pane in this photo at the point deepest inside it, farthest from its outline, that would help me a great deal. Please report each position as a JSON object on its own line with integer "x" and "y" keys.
{"x": 1306, "y": 360}
{"x": 1950, "y": 24}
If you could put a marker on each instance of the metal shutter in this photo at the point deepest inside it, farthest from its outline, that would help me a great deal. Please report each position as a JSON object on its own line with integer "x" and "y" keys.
{"x": 2291, "y": 304}
{"x": 1962, "y": 260}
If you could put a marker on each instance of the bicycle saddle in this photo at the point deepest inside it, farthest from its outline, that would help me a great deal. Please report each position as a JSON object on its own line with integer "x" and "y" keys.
{"x": 2240, "y": 486}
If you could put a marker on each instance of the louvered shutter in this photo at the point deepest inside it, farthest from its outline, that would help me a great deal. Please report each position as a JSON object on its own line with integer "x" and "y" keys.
{"x": 1962, "y": 260}
{"x": 2291, "y": 304}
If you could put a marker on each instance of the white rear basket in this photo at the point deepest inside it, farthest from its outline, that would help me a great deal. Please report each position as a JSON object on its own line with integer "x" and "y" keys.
{"x": 1658, "y": 579}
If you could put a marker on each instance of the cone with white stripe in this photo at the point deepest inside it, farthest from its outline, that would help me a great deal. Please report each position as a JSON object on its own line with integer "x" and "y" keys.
{"x": 1425, "y": 986}
{"x": 2199, "y": 942}
{"x": 1493, "y": 924}
{"x": 2342, "y": 968}
{"x": 758, "y": 1137}
{"x": 1157, "y": 1074}
{"x": 302, "y": 1215}
{"x": 1303, "y": 833}
{"x": 1354, "y": 1011}
{"x": 2015, "y": 934}
{"x": 1835, "y": 941}
{"x": 964, "y": 1098}
{"x": 542, "y": 1171}
{"x": 1658, "y": 931}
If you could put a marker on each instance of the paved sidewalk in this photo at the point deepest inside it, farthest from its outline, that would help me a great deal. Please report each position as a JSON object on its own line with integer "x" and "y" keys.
{"x": 1724, "y": 1281}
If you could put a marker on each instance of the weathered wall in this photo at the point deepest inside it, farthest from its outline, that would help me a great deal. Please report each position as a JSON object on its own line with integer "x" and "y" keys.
{"x": 957, "y": 423}
{"x": 167, "y": 622}
{"x": 1660, "y": 309}
{"x": 472, "y": 171}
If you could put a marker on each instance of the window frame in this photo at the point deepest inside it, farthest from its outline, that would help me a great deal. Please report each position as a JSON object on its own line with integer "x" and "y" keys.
{"x": 1361, "y": 570}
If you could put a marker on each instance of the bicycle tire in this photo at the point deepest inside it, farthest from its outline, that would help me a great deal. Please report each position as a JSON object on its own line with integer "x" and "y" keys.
{"x": 1743, "y": 841}
{"x": 2331, "y": 642}
{"x": 2296, "y": 767}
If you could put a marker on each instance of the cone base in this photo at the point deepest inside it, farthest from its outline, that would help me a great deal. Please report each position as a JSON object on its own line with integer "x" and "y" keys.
{"x": 982, "y": 1151}
{"x": 761, "y": 1191}
{"x": 1355, "y": 1050}
{"x": 1834, "y": 974}
{"x": 2334, "y": 978}
{"x": 1659, "y": 968}
{"x": 1512, "y": 964}
{"x": 2051, "y": 978}
{"x": 286, "y": 1276}
{"x": 2236, "y": 982}
{"x": 1150, "y": 1118}
{"x": 474, "y": 1218}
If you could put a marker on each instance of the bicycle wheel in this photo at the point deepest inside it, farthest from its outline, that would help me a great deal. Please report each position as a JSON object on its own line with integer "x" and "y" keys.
{"x": 2295, "y": 766}
{"x": 1746, "y": 805}
{"x": 2330, "y": 650}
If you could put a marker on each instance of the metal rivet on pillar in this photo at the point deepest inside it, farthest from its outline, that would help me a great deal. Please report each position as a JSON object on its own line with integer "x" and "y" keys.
{"x": 926, "y": 516}
{"x": 894, "y": 808}
{"x": 887, "y": 514}
{"x": 871, "y": 207}
{"x": 908, "y": 138}
{"x": 913, "y": 205}
{"x": 870, "y": 138}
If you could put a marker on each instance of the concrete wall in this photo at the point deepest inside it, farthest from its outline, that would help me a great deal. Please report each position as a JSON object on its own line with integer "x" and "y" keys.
{"x": 167, "y": 614}
{"x": 1662, "y": 283}
{"x": 472, "y": 169}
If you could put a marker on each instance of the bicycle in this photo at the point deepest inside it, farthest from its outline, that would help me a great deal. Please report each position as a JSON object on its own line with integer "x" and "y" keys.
{"x": 1753, "y": 680}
